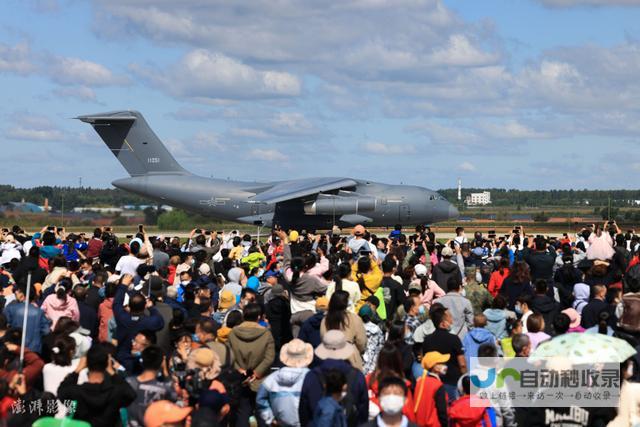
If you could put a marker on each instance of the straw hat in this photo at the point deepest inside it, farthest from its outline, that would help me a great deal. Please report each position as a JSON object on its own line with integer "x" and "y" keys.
{"x": 296, "y": 354}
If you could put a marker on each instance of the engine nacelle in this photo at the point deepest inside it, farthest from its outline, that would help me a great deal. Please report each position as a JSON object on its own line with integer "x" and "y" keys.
{"x": 339, "y": 205}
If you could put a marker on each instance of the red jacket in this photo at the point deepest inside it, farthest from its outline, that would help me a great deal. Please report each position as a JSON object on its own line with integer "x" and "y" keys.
{"x": 105, "y": 313}
{"x": 430, "y": 402}
{"x": 496, "y": 280}
{"x": 462, "y": 414}
{"x": 32, "y": 369}
{"x": 407, "y": 409}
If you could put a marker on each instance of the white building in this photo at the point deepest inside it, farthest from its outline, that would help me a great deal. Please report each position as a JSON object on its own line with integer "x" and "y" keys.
{"x": 476, "y": 199}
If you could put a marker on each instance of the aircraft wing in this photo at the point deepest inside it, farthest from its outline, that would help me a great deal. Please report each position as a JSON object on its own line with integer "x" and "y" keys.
{"x": 289, "y": 190}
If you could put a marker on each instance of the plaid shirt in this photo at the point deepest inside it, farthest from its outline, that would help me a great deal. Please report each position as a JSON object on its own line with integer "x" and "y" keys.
{"x": 412, "y": 323}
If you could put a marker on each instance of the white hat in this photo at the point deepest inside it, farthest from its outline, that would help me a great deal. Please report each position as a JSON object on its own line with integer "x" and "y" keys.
{"x": 420, "y": 270}
{"x": 447, "y": 251}
{"x": 335, "y": 346}
{"x": 8, "y": 255}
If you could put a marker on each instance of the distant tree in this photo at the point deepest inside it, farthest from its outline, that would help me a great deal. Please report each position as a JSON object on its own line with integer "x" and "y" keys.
{"x": 119, "y": 220}
{"x": 174, "y": 220}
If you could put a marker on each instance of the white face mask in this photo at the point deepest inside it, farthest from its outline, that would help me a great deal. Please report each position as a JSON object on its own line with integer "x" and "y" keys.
{"x": 392, "y": 404}
{"x": 343, "y": 395}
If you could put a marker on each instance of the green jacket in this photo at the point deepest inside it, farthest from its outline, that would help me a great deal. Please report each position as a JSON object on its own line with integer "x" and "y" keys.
{"x": 253, "y": 348}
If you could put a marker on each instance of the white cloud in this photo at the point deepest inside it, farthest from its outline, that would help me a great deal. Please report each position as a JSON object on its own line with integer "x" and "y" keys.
{"x": 76, "y": 71}
{"x": 460, "y": 52}
{"x": 16, "y": 59}
{"x": 248, "y": 133}
{"x": 82, "y": 93}
{"x": 291, "y": 123}
{"x": 204, "y": 75}
{"x": 466, "y": 167}
{"x": 268, "y": 155}
{"x": 33, "y": 127}
{"x": 383, "y": 149}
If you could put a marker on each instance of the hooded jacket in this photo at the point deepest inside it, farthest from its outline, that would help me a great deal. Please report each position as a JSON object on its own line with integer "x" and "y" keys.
{"x": 279, "y": 396}
{"x": 443, "y": 271}
{"x": 497, "y": 321}
{"x": 582, "y": 291}
{"x": 474, "y": 339}
{"x": 310, "y": 329}
{"x": 98, "y": 404}
{"x": 549, "y": 309}
{"x": 312, "y": 390}
{"x": 55, "y": 308}
{"x": 253, "y": 348}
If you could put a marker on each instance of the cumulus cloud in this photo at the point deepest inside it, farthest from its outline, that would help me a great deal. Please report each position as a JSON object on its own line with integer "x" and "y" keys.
{"x": 76, "y": 71}
{"x": 205, "y": 75}
{"x": 82, "y": 93}
{"x": 33, "y": 127}
{"x": 268, "y": 155}
{"x": 383, "y": 149}
{"x": 16, "y": 59}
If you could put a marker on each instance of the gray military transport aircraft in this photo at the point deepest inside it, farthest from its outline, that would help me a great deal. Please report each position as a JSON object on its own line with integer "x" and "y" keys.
{"x": 312, "y": 203}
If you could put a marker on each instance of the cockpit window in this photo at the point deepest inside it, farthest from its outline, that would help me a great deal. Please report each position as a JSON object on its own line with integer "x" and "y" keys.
{"x": 441, "y": 198}
{"x": 432, "y": 197}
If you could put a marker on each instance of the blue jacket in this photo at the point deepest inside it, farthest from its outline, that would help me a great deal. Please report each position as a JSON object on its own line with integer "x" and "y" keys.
{"x": 37, "y": 323}
{"x": 279, "y": 396}
{"x": 473, "y": 340}
{"x": 313, "y": 391}
{"x": 128, "y": 327}
{"x": 329, "y": 413}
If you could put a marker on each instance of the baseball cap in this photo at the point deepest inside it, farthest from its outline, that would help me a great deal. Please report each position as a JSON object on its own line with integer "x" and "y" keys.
{"x": 358, "y": 230}
{"x": 432, "y": 358}
{"x": 322, "y": 303}
{"x": 420, "y": 270}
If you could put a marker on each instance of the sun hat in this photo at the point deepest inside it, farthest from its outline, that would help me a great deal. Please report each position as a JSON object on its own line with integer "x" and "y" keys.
{"x": 574, "y": 316}
{"x": 447, "y": 251}
{"x": 420, "y": 270}
{"x": 164, "y": 412}
{"x": 227, "y": 300}
{"x": 296, "y": 354}
{"x": 335, "y": 346}
{"x": 358, "y": 230}
{"x": 432, "y": 358}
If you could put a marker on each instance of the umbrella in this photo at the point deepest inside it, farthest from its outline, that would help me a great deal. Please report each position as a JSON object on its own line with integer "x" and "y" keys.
{"x": 584, "y": 348}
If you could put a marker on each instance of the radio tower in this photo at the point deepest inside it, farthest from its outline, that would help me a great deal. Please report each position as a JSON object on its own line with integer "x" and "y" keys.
{"x": 459, "y": 190}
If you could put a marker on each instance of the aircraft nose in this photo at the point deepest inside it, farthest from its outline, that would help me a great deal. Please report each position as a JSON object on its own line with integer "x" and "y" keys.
{"x": 453, "y": 212}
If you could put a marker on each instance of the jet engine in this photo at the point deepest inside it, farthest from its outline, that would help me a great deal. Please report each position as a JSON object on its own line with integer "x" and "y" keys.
{"x": 329, "y": 204}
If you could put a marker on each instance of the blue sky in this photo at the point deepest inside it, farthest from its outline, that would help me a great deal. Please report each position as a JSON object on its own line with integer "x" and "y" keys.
{"x": 519, "y": 94}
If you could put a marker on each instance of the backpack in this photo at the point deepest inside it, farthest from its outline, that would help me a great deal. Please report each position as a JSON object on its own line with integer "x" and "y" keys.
{"x": 631, "y": 279}
{"x": 349, "y": 401}
{"x": 630, "y": 320}
{"x": 231, "y": 379}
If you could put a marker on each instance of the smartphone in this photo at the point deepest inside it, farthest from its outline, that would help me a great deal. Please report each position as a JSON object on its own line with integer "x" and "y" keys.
{"x": 220, "y": 232}
{"x": 610, "y": 222}
{"x": 515, "y": 231}
{"x": 129, "y": 236}
{"x": 198, "y": 231}
{"x": 518, "y": 227}
{"x": 140, "y": 228}
{"x": 51, "y": 228}
{"x": 208, "y": 233}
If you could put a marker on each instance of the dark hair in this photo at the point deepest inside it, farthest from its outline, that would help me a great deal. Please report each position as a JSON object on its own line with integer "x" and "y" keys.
{"x": 519, "y": 342}
{"x": 603, "y": 322}
{"x": 487, "y": 350}
{"x": 235, "y": 317}
{"x": 541, "y": 286}
{"x": 62, "y": 288}
{"x": 499, "y": 302}
{"x": 334, "y": 381}
{"x": 392, "y": 381}
{"x": 137, "y": 303}
{"x": 521, "y": 272}
{"x": 152, "y": 358}
{"x": 389, "y": 362}
{"x": 343, "y": 272}
{"x": 561, "y": 323}
{"x": 297, "y": 265}
{"x": 437, "y": 315}
{"x": 98, "y": 358}
{"x": 525, "y": 298}
{"x": 454, "y": 282}
{"x": 245, "y": 291}
{"x": 80, "y": 293}
{"x": 534, "y": 322}
{"x": 465, "y": 381}
{"x": 373, "y": 300}
{"x": 63, "y": 350}
{"x": 148, "y": 335}
{"x": 208, "y": 326}
{"x": 396, "y": 333}
{"x": 364, "y": 265}
{"x": 336, "y": 317}
{"x": 252, "y": 312}
{"x": 65, "y": 325}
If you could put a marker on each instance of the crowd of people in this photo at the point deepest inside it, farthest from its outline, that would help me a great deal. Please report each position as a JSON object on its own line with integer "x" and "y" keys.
{"x": 301, "y": 329}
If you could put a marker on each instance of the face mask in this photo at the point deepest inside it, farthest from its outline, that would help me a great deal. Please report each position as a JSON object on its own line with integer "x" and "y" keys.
{"x": 478, "y": 277}
{"x": 195, "y": 338}
{"x": 443, "y": 371}
{"x": 136, "y": 353}
{"x": 392, "y": 404}
{"x": 422, "y": 310}
{"x": 343, "y": 395}
{"x": 260, "y": 272}
{"x": 518, "y": 309}
{"x": 101, "y": 292}
{"x": 630, "y": 370}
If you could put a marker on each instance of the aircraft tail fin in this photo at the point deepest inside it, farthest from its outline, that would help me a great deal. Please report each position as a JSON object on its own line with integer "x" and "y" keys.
{"x": 132, "y": 141}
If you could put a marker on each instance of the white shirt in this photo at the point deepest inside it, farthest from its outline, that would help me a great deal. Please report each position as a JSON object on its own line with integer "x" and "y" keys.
{"x": 349, "y": 286}
{"x": 128, "y": 264}
{"x": 53, "y": 375}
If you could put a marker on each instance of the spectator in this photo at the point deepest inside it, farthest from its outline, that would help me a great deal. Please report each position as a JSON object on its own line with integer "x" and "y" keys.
{"x": 445, "y": 269}
{"x": 279, "y": 316}
{"x": 535, "y": 330}
{"x": 431, "y": 399}
{"x": 476, "y": 337}
{"x": 63, "y": 363}
{"x": 591, "y": 311}
{"x": 497, "y": 317}
{"x": 37, "y": 323}
{"x": 544, "y": 304}
{"x": 476, "y": 293}
{"x": 61, "y": 303}
{"x": 279, "y": 395}
{"x": 342, "y": 282}
{"x": 517, "y": 283}
{"x": 458, "y": 306}
{"x": 329, "y": 412}
{"x": 392, "y": 396}
{"x": 310, "y": 330}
